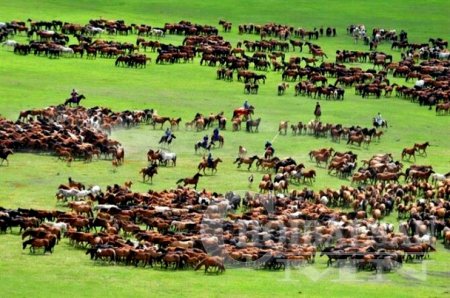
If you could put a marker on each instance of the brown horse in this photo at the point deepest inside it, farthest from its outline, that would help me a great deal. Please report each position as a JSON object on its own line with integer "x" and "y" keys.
{"x": 442, "y": 108}
{"x": 355, "y": 139}
{"x": 322, "y": 157}
{"x": 313, "y": 153}
{"x": 283, "y": 126}
{"x": 38, "y": 242}
{"x": 203, "y": 165}
{"x": 309, "y": 174}
{"x": 410, "y": 152}
{"x": 174, "y": 123}
{"x": 215, "y": 263}
{"x": 191, "y": 180}
{"x": 246, "y": 160}
{"x": 421, "y": 148}
{"x": 159, "y": 120}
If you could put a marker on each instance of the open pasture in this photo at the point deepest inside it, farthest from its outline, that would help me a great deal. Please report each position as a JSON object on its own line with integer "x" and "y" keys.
{"x": 181, "y": 90}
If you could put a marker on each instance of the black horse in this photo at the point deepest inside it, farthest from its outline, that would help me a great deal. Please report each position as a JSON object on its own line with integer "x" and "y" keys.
{"x": 167, "y": 139}
{"x": 383, "y": 123}
{"x": 4, "y": 155}
{"x": 76, "y": 100}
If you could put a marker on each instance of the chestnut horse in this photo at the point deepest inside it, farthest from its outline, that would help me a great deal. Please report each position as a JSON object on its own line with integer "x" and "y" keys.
{"x": 215, "y": 263}
{"x": 191, "y": 180}
{"x": 421, "y": 148}
{"x": 204, "y": 164}
{"x": 246, "y": 160}
{"x": 410, "y": 152}
{"x": 243, "y": 112}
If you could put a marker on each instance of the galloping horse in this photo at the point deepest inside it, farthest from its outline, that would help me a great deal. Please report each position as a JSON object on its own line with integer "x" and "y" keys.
{"x": 421, "y": 148}
{"x": 190, "y": 180}
{"x": 310, "y": 174}
{"x": 4, "y": 155}
{"x": 410, "y": 152}
{"x": 243, "y": 112}
{"x": 149, "y": 171}
{"x": 246, "y": 160}
{"x": 200, "y": 144}
{"x": 204, "y": 164}
{"x": 167, "y": 140}
{"x": 76, "y": 100}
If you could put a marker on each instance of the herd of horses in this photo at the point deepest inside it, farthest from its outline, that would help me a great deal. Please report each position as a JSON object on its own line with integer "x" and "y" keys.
{"x": 182, "y": 223}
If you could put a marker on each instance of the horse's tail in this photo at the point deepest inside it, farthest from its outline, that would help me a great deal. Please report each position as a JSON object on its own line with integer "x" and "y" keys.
{"x": 179, "y": 181}
{"x": 237, "y": 159}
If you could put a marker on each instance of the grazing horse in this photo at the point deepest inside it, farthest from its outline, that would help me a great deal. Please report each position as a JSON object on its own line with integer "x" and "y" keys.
{"x": 149, "y": 171}
{"x": 203, "y": 165}
{"x": 421, "y": 148}
{"x": 247, "y": 160}
{"x": 410, "y": 152}
{"x": 76, "y": 100}
{"x": 191, "y": 180}
{"x": 252, "y": 123}
{"x": 282, "y": 88}
{"x": 215, "y": 262}
{"x": 4, "y": 153}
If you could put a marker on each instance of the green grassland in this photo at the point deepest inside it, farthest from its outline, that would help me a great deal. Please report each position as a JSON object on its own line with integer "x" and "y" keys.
{"x": 181, "y": 90}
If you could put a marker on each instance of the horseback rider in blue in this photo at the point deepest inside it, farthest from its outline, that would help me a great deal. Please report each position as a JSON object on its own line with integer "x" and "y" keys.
{"x": 246, "y": 105}
{"x": 205, "y": 141}
{"x": 168, "y": 134}
{"x": 215, "y": 136}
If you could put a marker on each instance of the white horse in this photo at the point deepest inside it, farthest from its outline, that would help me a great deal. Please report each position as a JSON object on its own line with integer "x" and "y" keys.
{"x": 444, "y": 55}
{"x": 82, "y": 194}
{"x": 436, "y": 177}
{"x": 67, "y": 193}
{"x": 10, "y": 43}
{"x": 168, "y": 157}
{"x": 67, "y": 51}
{"x": 419, "y": 83}
{"x": 95, "y": 190}
{"x": 95, "y": 30}
{"x": 157, "y": 32}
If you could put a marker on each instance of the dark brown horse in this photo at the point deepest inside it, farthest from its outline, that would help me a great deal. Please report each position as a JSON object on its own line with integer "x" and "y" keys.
{"x": 149, "y": 171}
{"x": 4, "y": 153}
{"x": 76, "y": 100}
{"x": 422, "y": 148}
{"x": 309, "y": 174}
{"x": 190, "y": 180}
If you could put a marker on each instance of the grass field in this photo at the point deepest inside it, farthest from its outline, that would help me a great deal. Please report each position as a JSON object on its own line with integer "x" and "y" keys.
{"x": 181, "y": 90}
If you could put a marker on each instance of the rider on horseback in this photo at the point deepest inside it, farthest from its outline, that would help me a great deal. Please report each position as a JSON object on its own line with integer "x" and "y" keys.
{"x": 246, "y": 105}
{"x": 74, "y": 94}
{"x": 379, "y": 119}
{"x": 168, "y": 134}
{"x": 210, "y": 161}
{"x": 205, "y": 141}
{"x": 268, "y": 146}
{"x": 215, "y": 136}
